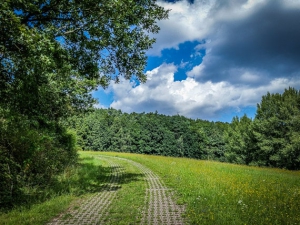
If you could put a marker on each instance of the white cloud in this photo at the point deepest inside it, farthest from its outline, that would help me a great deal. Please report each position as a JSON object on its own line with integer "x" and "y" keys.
{"x": 100, "y": 106}
{"x": 185, "y": 23}
{"x": 190, "y": 22}
{"x": 252, "y": 47}
{"x": 189, "y": 97}
{"x": 195, "y": 71}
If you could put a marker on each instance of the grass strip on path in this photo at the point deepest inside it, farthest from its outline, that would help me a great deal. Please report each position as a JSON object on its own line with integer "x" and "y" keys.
{"x": 159, "y": 207}
{"x": 94, "y": 209}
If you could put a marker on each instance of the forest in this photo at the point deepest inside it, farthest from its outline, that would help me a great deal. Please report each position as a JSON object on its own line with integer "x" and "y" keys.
{"x": 54, "y": 54}
{"x": 271, "y": 139}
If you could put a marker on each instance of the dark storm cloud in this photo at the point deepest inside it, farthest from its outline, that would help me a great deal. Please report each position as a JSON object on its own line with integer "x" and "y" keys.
{"x": 265, "y": 44}
{"x": 226, "y": 5}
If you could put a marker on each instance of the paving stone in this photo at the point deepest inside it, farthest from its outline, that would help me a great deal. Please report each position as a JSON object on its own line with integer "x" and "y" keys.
{"x": 160, "y": 203}
{"x": 94, "y": 209}
{"x": 160, "y": 208}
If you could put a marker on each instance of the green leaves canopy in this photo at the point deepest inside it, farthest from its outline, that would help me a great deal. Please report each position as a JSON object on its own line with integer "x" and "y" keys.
{"x": 276, "y": 130}
{"x": 54, "y": 53}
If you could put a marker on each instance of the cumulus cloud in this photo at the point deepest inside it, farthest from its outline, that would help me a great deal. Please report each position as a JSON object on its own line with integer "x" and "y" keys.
{"x": 251, "y": 47}
{"x": 185, "y": 23}
{"x": 188, "y": 97}
{"x": 252, "y": 35}
{"x": 195, "y": 21}
{"x": 244, "y": 39}
{"x": 264, "y": 43}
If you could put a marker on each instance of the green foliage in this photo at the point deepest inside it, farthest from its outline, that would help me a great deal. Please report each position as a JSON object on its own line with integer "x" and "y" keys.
{"x": 152, "y": 133}
{"x": 31, "y": 156}
{"x": 276, "y": 130}
{"x": 52, "y": 55}
{"x": 272, "y": 138}
{"x": 238, "y": 141}
{"x": 212, "y": 142}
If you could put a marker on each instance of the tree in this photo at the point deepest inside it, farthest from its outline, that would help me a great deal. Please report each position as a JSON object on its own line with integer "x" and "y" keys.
{"x": 276, "y": 130}
{"x": 238, "y": 141}
{"x": 53, "y": 53}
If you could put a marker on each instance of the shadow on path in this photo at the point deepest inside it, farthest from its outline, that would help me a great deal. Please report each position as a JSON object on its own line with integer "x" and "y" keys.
{"x": 103, "y": 182}
{"x": 92, "y": 178}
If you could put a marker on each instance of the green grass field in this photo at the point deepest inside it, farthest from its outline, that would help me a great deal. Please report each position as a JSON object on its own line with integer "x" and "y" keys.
{"x": 213, "y": 192}
{"x": 220, "y": 193}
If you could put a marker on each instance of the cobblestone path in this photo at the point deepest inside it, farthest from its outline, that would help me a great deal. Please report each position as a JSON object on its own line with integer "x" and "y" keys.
{"x": 94, "y": 210}
{"x": 159, "y": 209}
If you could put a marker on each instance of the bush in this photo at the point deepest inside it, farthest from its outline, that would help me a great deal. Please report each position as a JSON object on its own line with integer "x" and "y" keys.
{"x": 30, "y": 156}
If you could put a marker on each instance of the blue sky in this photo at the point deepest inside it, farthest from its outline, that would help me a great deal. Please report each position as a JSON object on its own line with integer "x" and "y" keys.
{"x": 215, "y": 59}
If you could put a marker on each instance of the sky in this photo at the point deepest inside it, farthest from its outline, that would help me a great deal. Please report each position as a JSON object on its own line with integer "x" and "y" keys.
{"x": 215, "y": 59}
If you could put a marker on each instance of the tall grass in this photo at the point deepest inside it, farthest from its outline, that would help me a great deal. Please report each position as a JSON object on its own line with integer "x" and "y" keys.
{"x": 220, "y": 193}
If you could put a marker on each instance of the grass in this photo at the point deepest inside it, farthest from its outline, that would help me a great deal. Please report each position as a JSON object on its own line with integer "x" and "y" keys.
{"x": 213, "y": 192}
{"x": 126, "y": 208}
{"x": 75, "y": 183}
{"x": 220, "y": 193}
{"x": 38, "y": 213}
{"x": 79, "y": 182}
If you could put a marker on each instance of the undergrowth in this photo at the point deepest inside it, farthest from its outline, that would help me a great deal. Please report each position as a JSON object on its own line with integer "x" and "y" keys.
{"x": 75, "y": 182}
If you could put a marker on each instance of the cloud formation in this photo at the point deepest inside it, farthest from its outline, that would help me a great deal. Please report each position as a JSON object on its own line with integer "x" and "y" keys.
{"x": 188, "y": 97}
{"x": 251, "y": 47}
{"x": 257, "y": 47}
{"x": 244, "y": 39}
{"x": 185, "y": 23}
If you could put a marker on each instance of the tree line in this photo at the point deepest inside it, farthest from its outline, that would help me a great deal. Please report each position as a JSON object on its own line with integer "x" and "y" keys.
{"x": 149, "y": 133}
{"x": 271, "y": 139}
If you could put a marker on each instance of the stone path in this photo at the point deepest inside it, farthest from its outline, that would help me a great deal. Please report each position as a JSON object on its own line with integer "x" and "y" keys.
{"x": 93, "y": 210}
{"x": 160, "y": 208}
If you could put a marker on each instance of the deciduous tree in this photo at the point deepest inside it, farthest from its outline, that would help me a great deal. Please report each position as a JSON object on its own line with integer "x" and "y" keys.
{"x": 53, "y": 53}
{"x": 276, "y": 130}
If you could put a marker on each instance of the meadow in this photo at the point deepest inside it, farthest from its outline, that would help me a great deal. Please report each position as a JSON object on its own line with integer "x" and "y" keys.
{"x": 221, "y": 193}
{"x": 213, "y": 192}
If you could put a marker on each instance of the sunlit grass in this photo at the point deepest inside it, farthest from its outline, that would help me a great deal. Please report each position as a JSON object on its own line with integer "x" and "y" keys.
{"x": 220, "y": 193}
{"x": 214, "y": 193}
